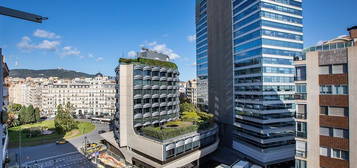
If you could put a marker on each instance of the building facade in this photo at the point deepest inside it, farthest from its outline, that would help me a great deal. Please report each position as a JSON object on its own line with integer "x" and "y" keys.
{"x": 245, "y": 49}
{"x": 214, "y": 63}
{"x": 148, "y": 95}
{"x": 4, "y": 99}
{"x": 326, "y": 135}
{"x": 89, "y": 96}
{"x": 191, "y": 91}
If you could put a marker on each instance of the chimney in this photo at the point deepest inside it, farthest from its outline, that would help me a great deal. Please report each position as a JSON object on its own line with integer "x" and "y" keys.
{"x": 353, "y": 34}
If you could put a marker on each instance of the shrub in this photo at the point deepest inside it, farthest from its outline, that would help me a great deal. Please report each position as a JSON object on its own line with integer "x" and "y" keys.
{"x": 148, "y": 62}
{"x": 167, "y": 133}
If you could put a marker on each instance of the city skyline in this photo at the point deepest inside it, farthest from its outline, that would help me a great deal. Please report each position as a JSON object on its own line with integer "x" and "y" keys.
{"x": 58, "y": 43}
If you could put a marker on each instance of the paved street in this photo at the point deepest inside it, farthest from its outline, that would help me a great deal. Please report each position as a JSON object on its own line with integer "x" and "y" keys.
{"x": 52, "y": 149}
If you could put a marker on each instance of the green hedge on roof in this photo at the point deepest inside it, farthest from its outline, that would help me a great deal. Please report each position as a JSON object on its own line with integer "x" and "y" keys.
{"x": 148, "y": 62}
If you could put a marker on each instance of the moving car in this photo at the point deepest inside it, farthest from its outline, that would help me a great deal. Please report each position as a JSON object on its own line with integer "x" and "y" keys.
{"x": 61, "y": 141}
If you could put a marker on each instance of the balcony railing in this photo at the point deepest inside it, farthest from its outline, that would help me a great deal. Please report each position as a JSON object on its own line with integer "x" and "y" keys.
{"x": 301, "y": 134}
{"x": 300, "y": 96}
{"x": 300, "y": 116}
{"x": 300, "y": 153}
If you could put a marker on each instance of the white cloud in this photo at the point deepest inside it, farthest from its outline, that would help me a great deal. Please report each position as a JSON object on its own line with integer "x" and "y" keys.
{"x": 45, "y": 34}
{"x": 99, "y": 59}
{"x": 27, "y": 44}
{"x": 191, "y": 38}
{"x": 69, "y": 50}
{"x": 16, "y": 63}
{"x": 320, "y": 42}
{"x": 82, "y": 57}
{"x": 162, "y": 48}
{"x": 132, "y": 54}
{"x": 90, "y": 55}
{"x": 194, "y": 64}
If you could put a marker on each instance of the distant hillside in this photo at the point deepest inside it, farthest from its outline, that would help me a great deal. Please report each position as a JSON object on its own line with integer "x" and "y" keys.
{"x": 45, "y": 73}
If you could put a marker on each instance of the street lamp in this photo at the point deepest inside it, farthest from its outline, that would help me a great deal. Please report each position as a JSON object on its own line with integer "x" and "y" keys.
{"x": 21, "y": 15}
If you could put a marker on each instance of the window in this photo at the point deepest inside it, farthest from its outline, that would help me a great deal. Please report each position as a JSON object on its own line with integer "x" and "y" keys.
{"x": 300, "y": 73}
{"x": 336, "y": 111}
{"x": 337, "y": 69}
{"x": 324, "y": 70}
{"x": 324, "y": 151}
{"x": 324, "y": 131}
{"x": 339, "y": 154}
{"x": 300, "y": 163}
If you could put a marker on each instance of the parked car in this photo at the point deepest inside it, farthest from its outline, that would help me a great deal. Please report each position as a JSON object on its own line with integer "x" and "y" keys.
{"x": 101, "y": 131}
{"x": 61, "y": 141}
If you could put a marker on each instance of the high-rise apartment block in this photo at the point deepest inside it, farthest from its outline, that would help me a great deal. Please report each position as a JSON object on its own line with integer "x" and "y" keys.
{"x": 147, "y": 99}
{"x": 326, "y": 108}
{"x": 245, "y": 52}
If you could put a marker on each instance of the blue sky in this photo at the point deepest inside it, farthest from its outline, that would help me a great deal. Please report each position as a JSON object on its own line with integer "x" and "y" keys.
{"x": 90, "y": 35}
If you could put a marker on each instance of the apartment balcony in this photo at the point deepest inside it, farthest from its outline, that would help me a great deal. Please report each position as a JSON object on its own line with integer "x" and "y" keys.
{"x": 302, "y": 154}
{"x": 300, "y": 116}
{"x": 163, "y": 70}
{"x": 163, "y": 95}
{"x": 147, "y": 96}
{"x": 137, "y": 96}
{"x": 155, "y": 78}
{"x": 147, "y": 87}
{"x": 138, "y": 77}
{"x": 146, "y": 68}
{"x": 163, "y": 112}
{"x": 138, "y": 67}
{"x": 155, "y": 87}
{"x": 155, "y": 69}
{"x": 300, "y": 96}
{"x": 147, "y": 78}
{"x": 301, "y": 135}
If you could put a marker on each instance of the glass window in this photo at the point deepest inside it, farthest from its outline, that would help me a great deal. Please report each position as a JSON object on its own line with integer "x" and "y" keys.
{"x": 179, "y": 150}
{"x": 324, "y": 110}
{"x": 324, "y": 131}
{"x": 324, "y": 70}
{"x": 336, "y": 111}
{"x": 339, "y": 133}
{"x": 337, "y": 69}
{"x": 324, "y": 151}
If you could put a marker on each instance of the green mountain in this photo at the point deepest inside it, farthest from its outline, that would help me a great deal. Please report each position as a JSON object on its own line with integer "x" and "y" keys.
{"x": 45, "y": 73}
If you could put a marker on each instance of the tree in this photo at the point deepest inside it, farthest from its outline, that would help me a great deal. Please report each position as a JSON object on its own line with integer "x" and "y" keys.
{"x": 188, "y": 107}
{"x": 31, "y": 113}
{"x": 23, "y": 116}
{"x": 37, "y": 114}
{"x": 13, "y": 115}
{"x": 64, "y": 121}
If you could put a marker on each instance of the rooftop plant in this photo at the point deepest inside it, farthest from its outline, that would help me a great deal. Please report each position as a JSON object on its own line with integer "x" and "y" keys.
{"x": 150, "y": 62}
{"x": 191, "y": 120}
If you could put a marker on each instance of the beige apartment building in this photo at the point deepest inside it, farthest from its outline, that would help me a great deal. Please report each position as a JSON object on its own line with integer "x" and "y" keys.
{"x": 89, "y": 96}
{"x": 326, "y": 93}
{"x": 191, "y": 91}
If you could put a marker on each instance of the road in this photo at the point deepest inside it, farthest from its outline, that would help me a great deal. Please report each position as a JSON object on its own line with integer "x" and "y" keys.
{"x": 52, "y": 149}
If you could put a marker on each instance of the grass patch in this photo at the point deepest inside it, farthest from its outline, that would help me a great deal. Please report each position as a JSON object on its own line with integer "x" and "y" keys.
{"x": 14, "y": 133}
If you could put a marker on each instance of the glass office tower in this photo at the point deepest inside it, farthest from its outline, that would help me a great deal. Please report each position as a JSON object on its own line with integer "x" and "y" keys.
{"x": 267, "y": 35}
{"x": 202, "y": 54}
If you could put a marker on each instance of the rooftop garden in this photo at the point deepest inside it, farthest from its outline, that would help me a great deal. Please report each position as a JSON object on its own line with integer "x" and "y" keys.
{"x": 150, "y": 62}
{"x": 191, "y": 120}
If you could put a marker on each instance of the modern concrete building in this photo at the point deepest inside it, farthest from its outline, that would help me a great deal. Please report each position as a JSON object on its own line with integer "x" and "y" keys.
{"x": 4, "y": 99}
{"x": 147, "y": 96}
{"x": 245, "y": 50}
{"x": 326, "y": 135}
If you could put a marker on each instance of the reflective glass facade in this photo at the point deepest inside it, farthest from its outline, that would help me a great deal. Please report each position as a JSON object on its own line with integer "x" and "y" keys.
{"x": 202, "y": 55}
{"x": 267, "y": 36}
